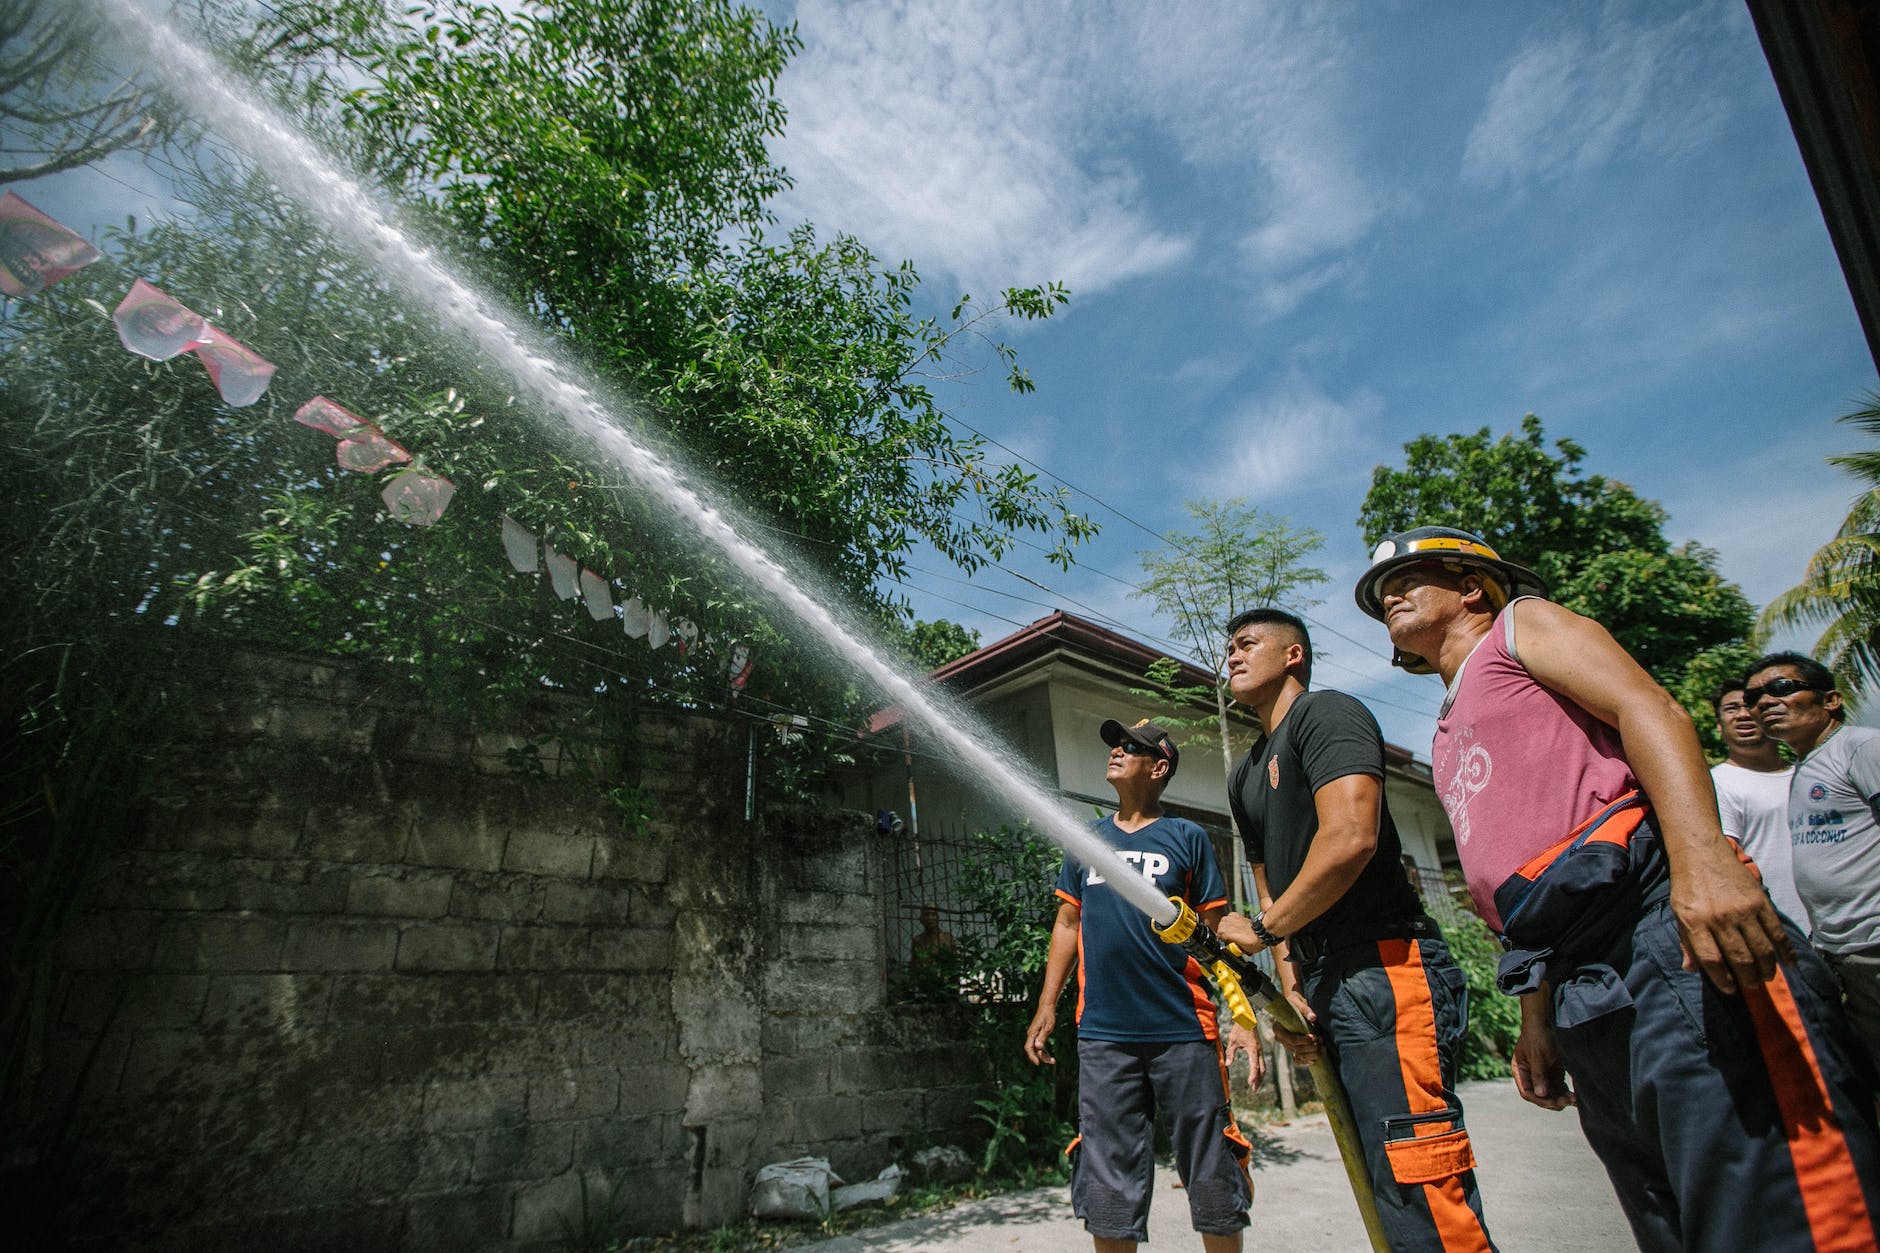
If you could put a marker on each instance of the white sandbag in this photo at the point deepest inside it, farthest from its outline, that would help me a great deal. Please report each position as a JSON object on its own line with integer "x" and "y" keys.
{"x": 793, "y": 1189}
{"x": 881, "y": 1188}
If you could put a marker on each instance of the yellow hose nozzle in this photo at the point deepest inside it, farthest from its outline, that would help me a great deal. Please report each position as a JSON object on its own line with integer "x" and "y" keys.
{"x": 1180, "y": 927}
{"x": 1233, "y": 996}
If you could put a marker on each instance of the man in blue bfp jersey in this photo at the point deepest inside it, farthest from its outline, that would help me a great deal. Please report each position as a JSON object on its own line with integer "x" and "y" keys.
{"x": 1146, "y": 1033}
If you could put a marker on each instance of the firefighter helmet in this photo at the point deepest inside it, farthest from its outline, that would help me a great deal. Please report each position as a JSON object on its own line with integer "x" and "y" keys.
{"x": 1454, "y": 550}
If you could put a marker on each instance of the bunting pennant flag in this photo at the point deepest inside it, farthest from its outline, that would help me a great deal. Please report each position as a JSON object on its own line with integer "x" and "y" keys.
{"x": 519, "y": 546}
{"x": 152, "y": 324}
{"x": 600, "y": 605}
{"x": 369, "y": 450}
{"x": 416, "y": 498}
{"x": 239, "y": 373}
{"x": 561, "y": 573}
{"x": 325, "y": 415}
{"x": 633, "y": 618}
{"x": 739, "y": 668}
{"x": 363, "y": 447}
{"x": 35, "y": 250}
{"x": 570, "y": 580}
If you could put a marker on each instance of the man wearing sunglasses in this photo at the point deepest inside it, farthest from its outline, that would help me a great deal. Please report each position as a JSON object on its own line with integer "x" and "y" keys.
{"x": 1147, "y": 1037}
{"x": 1752, "y": 784}
{"x": 1715, "y": 1077}
{"x": 1834, "y": 801}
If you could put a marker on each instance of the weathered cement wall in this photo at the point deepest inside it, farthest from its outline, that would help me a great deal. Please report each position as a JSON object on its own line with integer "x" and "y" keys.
{"x": 358, "y": 983}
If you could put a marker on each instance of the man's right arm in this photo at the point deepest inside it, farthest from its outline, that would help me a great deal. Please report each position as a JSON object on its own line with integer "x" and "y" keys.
{"x": 1058, "y": 965}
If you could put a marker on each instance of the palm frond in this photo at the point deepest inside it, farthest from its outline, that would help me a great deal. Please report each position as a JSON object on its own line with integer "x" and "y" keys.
{"x": 1840, "y": 587}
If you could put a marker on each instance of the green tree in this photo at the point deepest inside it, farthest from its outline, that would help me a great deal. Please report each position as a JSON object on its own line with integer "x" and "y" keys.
{"x": 795, "y": 369}
{"x": 938, "y": 643}
{"x": 1840, "y": 590}
{"x": 627, "y": 207}
{"x": 1237, "y": 557}
{"x": 60, "y": 111}
{"x": 1698, "y": 682}
{"x": 1600, "y": 546}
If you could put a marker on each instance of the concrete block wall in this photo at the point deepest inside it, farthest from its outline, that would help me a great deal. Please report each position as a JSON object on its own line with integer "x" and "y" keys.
{"x": 356, "y": 982}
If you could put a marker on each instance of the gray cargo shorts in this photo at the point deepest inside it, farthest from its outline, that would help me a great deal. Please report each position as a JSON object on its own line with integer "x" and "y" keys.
{"x": 1121, "y": 1088}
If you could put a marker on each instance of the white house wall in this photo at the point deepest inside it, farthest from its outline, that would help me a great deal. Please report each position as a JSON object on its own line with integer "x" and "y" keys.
{"x": 1421, "y": 823}
{"x": 1079, "y": 705}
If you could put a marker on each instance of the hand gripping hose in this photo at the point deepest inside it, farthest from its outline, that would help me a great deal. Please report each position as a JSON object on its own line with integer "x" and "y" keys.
{"x": 1244, "y": 988}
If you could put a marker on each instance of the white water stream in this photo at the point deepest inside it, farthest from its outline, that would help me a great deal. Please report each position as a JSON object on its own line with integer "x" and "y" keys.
{"x": 277, "y": 146}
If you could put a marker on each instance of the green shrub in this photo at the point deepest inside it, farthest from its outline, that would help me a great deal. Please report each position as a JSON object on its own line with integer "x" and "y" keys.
{"x": 1032, "y": 1112}
{"x": 1494, "y": 1019}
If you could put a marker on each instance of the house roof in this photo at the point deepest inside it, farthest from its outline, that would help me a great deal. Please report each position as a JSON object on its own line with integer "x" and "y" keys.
{"x": 1062, "y": 635}
{"x": 1058, "y": 630}
{"x": 1067, "y": 637}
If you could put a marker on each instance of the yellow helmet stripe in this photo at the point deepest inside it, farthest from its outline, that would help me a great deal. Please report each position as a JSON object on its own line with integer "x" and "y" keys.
{"x": 1451, "y": 544}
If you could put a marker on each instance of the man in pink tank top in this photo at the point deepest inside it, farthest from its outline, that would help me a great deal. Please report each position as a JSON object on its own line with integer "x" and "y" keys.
{"x": 1714, "y": 1075}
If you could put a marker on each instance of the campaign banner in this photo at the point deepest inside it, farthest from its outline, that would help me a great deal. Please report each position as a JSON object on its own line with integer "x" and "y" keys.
{"x": 35, "y": 250}
{"x": 363, "y": 447}
{"x": 520, "y": 547}
{"x": 563, "y": 573}
{"x": 594, "y": 592}
{"x": 416, "y": 498}
{"x": 634, "y": 618}
{"x": 240, "y": 374}
{"x": 153, "y": 324}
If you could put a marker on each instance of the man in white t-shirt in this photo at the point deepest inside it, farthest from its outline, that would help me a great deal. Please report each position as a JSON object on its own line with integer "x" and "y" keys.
{"x": 1834, "y": 822}
{"x": 1753, "y": 797}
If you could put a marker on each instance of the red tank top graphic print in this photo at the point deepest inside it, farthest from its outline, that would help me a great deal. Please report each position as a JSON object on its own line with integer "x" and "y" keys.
{"x": 1517, "y": 766}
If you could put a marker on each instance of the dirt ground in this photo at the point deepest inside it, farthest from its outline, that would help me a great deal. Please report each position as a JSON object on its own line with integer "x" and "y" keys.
{"x": 1541, "y": 1187}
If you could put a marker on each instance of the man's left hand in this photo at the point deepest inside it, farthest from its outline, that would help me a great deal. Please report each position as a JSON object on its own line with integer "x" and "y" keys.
{"x": 1730, "y": 930}
{"x": 1242, "y": 1040}
{"x": 1304, "y": 1048}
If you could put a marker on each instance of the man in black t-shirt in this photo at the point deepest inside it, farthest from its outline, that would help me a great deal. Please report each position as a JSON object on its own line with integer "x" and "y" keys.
{"x": 1368, "y": 969}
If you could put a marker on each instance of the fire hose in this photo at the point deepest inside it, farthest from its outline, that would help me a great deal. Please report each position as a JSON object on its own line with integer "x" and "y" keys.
{"x": 1244, "y": 988}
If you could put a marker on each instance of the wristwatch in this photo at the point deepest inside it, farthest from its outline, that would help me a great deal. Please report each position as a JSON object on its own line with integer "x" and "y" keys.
{"x": 1266, "y": 937}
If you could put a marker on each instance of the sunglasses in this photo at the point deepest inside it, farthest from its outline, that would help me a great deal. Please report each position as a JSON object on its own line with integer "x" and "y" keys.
{"x": 1778, "y": 688}
{"x": 1139, "y": 750}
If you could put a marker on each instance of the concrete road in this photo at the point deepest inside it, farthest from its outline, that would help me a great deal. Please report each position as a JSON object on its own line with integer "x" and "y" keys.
{"x": 1541, "y": 1187}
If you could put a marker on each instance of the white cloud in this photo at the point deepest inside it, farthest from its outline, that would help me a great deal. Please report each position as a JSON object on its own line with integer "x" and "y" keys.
{"x": 1281, "y": 293}
{"x": 1205, "y": 375}
{"x": 1294, "y": 439}
{"x": 1000, "y": 144}
{"x": 1253, "y": 90}
{"x": 1575, "y": 100}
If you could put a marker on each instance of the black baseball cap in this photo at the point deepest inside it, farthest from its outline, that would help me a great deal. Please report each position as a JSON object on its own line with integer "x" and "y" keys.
{"x": 1146, "y": 733}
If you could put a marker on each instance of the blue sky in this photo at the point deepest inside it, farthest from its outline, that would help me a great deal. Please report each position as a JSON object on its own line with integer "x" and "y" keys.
{"x": 1298, "y": 235}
